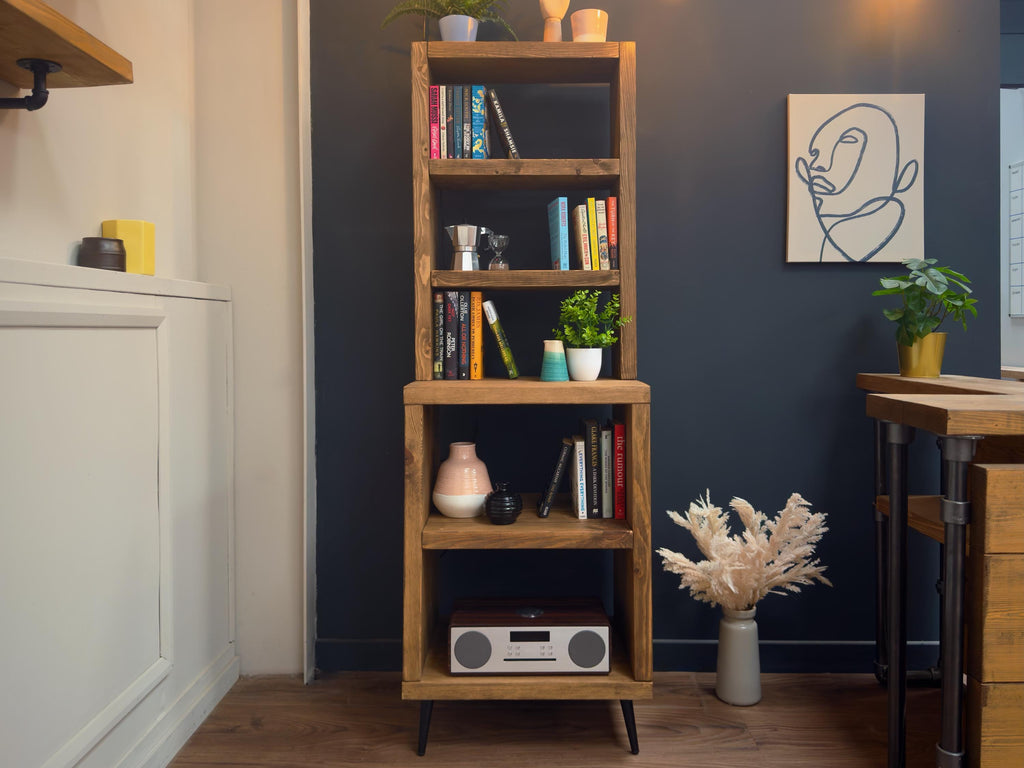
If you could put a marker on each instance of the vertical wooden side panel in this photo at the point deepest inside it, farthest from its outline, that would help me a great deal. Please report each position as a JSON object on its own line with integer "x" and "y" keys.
{"x": 638, "y": 512}
{"x": 424, "y": 202}
{"x": 995, "y": 724}
{"x": 417, "y": 600}
{"x": 623, "y": 99}
{"x": 999, "y": 491}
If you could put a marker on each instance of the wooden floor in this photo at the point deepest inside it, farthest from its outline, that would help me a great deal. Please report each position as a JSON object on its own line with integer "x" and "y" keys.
{"x": 358, "y": 719}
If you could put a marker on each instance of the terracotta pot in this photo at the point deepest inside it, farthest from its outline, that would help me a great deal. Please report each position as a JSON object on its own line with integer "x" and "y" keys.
{"x": 738, "y": 679}
{"x": 462, "y": 482}
{"x": 924, "y": 358}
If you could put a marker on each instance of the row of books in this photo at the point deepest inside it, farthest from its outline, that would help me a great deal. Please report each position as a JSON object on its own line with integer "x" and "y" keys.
{"x": 595, "y": 463}
{"x": 458, "y": 350}
{"x": 460, "y": 118}
{"x": 595, "y": 233}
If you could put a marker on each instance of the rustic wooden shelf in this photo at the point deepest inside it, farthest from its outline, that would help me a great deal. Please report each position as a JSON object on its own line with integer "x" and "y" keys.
{"x": 524, "y": 174}
{"x": 525, "y": 62}
{"x": 31, "y": 29}
{"x": 526, "y": 390}
{"x": 525, "y": 279}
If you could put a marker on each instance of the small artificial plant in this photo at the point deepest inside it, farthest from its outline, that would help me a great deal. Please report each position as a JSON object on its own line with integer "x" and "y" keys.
{"x": 481, "y": 10}
{"x": 582, "y": 325}
{"x": 930, "y": 295}
{"x": 768, "y": 557}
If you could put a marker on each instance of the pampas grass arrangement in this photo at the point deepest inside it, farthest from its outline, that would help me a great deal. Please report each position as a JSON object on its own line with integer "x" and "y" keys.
{"x": 768, "y": 557}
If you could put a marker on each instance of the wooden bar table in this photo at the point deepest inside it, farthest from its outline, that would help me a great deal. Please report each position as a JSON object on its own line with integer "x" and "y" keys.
{"x": 962, "y": 411}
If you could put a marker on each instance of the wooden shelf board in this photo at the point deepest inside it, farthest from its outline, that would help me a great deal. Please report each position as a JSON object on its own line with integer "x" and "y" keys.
{"x": 525, "y": 279}
{"x": 525, "y": 174}
{"x": 526, "y": 390}
{"x": 437, "y": 683}
{"x": 894, "y": 384}
{"x": 952, "y": 414}
{"x": 924, "y": 515}
{"x": 561, "y": 530}
{"x": 523, "y": 62}
{"x": 31, "y": 29}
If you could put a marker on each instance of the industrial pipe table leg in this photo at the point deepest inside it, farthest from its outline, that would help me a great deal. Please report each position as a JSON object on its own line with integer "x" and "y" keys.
{"x": 897, "y": 440}
{"x": 628, "y": 716}
{"x": 881, "y": 558}
{"x": 426, "y": 708}
{"x": 957, "y": 452}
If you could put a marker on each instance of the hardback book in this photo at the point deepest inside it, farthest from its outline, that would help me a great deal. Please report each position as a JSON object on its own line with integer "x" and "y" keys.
{"x": 467, "y": 121}
{"x": 442, "y": 121}
{"x": 501, "y": 126}
{"x": 607, "y": 472}
{"x": 435, "y": 128}
{"x": 592, "y": 436}
{"x": 619, "y": 468}
{"x": 545, "y": 502}
{"x": 578, "y": 463}
{"x": 499, "y": 336}
{"x": 438, "y": 358}
{"x": 463, "y": 334}
{"x": 449, "y": 93}
{"x": 579, "y": 230}
{"x": 457, "y": 121}
{"x": 558, "y": 228}
{"x": 451, "y": 334}
{"x": 612, "y": 212}
{"x": 592, "y": 232}
{"x": 602, "y": 234}
{"x": 479, "y": 122}
{"x": 476, "y": 335}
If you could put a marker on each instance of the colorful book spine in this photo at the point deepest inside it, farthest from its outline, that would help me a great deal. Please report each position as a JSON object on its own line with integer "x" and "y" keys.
{"x": 457, "y": 122}
{"x": 476, "y": 335}
{"x": 449, "y": 93}
{"x": 619, "y": 465}
{"x": 451, "y": 334}
{"x": 438, "y": 335}
{"x": 499, "y": 336}
{"x": 607, "y": 472}
{"x": 479, "y": 123}
{"x": 467, "y": 122}
{"x": 592, "y": 436}
{"x": 442, "y": 121}
{"x": 579, "y": 476}
{"x": 579, "y": 228}
{"x": 612, "y": 206}
{"x": 592, "y": 232}
{"x": 463, "y": 334}
{"x": 602, "y": 234}
{"x": 435, "y": 128}
{"x": 558, "y": 228}
{"x": 501, "y": 126}
{"x": 545, "y": 502}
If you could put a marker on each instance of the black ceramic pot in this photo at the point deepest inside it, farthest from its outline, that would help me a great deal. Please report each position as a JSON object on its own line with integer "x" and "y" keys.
{"x": 102, "y": 253}
{"x": 502, "y": 505}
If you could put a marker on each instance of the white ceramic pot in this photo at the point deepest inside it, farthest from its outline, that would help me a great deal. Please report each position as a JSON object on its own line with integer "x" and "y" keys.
{"x": 589, "y": 25}
{"x": 738, "y": 680}
{"x": 584, "y": 364}
{"x": 458, "y": 29}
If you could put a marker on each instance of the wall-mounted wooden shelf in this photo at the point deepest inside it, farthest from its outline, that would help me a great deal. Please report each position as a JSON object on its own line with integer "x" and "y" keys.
{"x": 30, "y": 29}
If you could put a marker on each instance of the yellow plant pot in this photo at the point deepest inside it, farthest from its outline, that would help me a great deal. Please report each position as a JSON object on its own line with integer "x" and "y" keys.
{"x": 924, "y": 358}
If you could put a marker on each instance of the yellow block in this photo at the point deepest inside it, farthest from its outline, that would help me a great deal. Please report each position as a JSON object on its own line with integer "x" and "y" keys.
{"x": 139, "y": 243}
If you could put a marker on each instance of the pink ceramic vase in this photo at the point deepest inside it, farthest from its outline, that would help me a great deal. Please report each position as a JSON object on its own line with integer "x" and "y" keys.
{"x": 462, "y": 482}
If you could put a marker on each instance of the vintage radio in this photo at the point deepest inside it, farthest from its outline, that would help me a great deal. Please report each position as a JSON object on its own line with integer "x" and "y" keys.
{"x": 508, "y": 637}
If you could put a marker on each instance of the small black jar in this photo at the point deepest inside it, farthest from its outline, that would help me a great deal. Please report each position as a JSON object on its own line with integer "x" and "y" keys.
{"x": 502, "y": 505}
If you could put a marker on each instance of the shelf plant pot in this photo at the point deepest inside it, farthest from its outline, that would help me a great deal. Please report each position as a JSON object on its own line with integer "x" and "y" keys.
{"x": 458, "y": 29}
{"x": 924, "y": 358}
{"x": 584, "y": 363}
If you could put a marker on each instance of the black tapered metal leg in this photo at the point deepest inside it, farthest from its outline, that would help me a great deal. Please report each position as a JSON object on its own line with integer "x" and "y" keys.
{"x": 628, "y": 716}
{"x": 957, "y": 452}
{"x": 426, "y": 709}
{"x": 881, "y": 560}
{"x": 897, "y": 441}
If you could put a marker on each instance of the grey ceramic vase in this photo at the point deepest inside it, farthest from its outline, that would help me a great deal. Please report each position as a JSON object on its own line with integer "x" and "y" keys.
{"x": 738, "y": 680}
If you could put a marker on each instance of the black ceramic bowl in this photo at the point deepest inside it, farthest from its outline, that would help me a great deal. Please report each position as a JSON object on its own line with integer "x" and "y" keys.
{"x": 503, "y": 506}
{"x": 102, "y": 253}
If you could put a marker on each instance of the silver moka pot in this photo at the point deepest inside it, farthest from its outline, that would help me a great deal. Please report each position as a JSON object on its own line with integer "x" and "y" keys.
{"x": 466, "y": 245}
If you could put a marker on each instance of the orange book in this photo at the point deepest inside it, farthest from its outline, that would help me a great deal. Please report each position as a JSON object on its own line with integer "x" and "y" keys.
{"x": 476, "y": 336}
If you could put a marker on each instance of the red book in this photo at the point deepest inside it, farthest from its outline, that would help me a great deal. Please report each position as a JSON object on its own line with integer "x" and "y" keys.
{"x": 435, "y": 123}
{"x": 612, "y": 213}
{"x": 619, "y": 468}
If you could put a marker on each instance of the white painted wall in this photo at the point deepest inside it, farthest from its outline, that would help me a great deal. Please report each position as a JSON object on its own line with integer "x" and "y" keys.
{"x": 1011, "y": 142}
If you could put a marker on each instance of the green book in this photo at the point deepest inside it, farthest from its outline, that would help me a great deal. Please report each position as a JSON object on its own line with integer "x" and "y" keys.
{"x": 499, "y": 335}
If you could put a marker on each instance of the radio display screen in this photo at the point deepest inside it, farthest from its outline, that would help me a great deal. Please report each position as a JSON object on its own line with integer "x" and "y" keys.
{"x": 529, "y": 636}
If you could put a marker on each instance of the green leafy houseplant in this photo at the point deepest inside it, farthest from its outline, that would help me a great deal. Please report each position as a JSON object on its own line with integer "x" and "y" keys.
{"x": 481, "y": 10}
{"x": 930, "y": 294}
{"x": 582, "y": 325}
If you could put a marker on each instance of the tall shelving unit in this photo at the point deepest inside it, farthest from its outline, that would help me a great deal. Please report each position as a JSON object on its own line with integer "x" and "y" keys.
{"x": 425, "y": 675}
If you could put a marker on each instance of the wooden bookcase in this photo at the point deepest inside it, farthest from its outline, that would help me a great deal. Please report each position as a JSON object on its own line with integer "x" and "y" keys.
{"x": 425, "y": 674}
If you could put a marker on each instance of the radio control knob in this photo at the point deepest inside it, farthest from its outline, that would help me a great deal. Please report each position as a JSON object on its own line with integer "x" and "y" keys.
{"x": 472, "y": 650}
{"x": 587, "y": 649}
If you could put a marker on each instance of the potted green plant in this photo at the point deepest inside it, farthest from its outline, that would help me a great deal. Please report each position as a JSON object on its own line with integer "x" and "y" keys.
{"x": 930, "y": 294}
{"x": 586, "y": 331}
{"x": 458, "y": 19}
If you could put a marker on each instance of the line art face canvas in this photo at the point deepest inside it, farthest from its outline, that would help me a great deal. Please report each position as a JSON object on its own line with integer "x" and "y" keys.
{"x": 855, "y": 172}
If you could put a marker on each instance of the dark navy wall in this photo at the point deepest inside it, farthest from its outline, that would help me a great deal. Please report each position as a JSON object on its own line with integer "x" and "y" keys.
{"x": 751, "y": 361}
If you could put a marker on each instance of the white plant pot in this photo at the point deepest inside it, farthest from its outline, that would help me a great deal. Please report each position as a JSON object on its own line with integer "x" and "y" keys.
{"x": 458, "y": 29}
{"x": 584, "y": 364}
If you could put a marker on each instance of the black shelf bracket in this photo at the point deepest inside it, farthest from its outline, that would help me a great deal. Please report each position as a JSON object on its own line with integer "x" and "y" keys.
{"x": 40, "y": 68}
